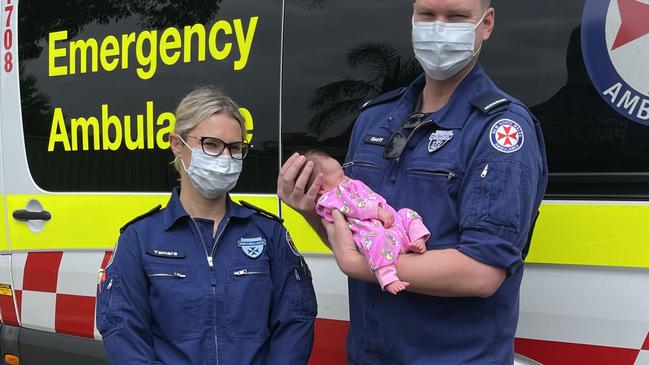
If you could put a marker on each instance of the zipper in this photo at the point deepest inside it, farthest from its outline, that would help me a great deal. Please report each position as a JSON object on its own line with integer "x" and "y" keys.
{"x": 485, "y": 171}
{"x": 167, "y": 275}
{"x": 297, "y": 275}
{"x": 211, "y": 263}
{"x": 450, "y": 175}
{"x": 246, "y": 272}
{"x": 359, "y": 163}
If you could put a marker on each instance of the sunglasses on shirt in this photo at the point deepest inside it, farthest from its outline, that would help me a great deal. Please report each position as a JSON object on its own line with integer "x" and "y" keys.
{"x": 399, "y": 139}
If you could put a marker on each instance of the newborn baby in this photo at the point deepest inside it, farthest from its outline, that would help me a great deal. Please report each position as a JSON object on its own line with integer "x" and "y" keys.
{"x": 379, "y": 231}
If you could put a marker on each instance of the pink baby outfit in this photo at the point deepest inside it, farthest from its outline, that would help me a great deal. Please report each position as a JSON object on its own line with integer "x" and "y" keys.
{"x": 380, "y": 245}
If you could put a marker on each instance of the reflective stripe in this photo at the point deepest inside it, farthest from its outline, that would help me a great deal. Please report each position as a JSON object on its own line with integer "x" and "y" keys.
{"x": 575, "y": 233}
{"x": 592, "y": 233}
{"x": 89, "y": 221}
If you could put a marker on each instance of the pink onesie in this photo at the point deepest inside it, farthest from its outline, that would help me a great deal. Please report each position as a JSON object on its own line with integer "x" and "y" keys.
{"x": 380, "y": 245}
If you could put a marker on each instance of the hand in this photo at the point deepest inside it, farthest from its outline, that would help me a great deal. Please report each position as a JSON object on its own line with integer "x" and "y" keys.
{"x": 417, "y": 246}
{"x": 290, "y": 186}
{"x": 396, "y": 286}
{"x": 342, "y": 244}
{"x": 386, "y": 217}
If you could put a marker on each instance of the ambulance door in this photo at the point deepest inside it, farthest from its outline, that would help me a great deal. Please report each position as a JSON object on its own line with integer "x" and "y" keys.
{"x": 90, "y": 109}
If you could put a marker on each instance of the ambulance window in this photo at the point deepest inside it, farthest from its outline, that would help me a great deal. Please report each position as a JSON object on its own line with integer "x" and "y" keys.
{"x": 99, "y": 85}
{"x": 340, "y": 54}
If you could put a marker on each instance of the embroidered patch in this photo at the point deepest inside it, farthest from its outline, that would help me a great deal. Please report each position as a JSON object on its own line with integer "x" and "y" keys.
{"x": 289, "y": 240}
{"x": 252, "y": 247}
{"x": 506, "y": 136}
{"x": 438, "y": 139}
{"x": 377, "y": 140}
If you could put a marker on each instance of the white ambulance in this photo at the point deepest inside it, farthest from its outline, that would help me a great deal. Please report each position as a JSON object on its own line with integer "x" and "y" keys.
{"x": 87, "y": 93}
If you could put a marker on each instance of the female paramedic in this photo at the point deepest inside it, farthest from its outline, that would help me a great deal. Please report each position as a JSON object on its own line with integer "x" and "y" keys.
{"x": 205, "y": 280}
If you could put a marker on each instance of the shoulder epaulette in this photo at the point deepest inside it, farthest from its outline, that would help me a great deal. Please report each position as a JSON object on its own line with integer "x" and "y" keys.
{"x": 142, "y": 216}
{"x": 490, "y": 101}
{"x": 263, "y": 212}
{"x": 383, "y": 98}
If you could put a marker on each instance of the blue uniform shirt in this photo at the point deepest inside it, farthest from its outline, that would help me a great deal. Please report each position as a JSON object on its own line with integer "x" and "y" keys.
{"x": 162, "y": 303}
{"x": 476, "y": 172}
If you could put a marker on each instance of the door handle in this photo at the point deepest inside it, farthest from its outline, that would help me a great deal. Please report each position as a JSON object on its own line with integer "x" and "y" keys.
{"x": 26, "y": 215}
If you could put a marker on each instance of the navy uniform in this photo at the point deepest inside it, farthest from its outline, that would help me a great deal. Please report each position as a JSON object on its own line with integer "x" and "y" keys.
{"x": 167, "y": 299}
{"x": 476, "y": 172}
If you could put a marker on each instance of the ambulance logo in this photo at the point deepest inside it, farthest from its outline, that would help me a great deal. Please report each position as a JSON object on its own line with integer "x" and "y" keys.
{"x": 615, "y": 44}
{"x": 506, "y": 136}
{"x": 252, "y": 247}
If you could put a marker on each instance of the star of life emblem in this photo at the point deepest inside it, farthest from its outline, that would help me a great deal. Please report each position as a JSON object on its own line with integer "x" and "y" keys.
{"x": 438, "y": 139}
{"x": 506, "y": 136}
{"x": 252, "y": 247}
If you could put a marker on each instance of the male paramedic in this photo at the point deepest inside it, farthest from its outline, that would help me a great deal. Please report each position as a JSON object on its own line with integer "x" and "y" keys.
{"x": 471, "y": 160}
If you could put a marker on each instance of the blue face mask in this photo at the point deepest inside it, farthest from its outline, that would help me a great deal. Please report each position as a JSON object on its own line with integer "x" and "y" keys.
{"x": 444, "y": 49}
{"x": 212, "y": 176}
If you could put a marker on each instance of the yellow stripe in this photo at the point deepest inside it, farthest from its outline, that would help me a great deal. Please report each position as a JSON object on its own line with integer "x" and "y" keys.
{"x": 305, "y": 238}
{"x": 592, "y": 234}
{"x": 89, "y": 221}
{"x": 576, "y": 234}
{"x": 4, "y": 246}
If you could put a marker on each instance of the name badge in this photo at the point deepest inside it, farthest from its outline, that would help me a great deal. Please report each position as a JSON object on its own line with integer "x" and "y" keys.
{"x": 165, "y": 253}
{"x": 377, "y": 140}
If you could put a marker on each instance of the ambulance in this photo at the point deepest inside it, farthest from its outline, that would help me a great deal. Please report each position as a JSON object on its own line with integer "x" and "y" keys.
{"x": 87, "y": 94}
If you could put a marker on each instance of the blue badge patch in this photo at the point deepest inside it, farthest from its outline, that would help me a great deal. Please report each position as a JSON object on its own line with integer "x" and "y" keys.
{"x": 506, "y": 136}
{"x": 252, "y": 247}
{"x": 289, "y": 240}
{"x": 438, "y": 139}
{"x": 614, "y": 44}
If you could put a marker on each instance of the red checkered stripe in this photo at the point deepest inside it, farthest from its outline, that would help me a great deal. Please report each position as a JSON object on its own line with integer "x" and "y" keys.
{"x": 56, "y": 291}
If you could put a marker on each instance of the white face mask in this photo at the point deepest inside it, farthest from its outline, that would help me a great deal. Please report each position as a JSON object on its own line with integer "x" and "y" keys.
{"x": 443, "y": 49}
{"x": 212, "y": 176}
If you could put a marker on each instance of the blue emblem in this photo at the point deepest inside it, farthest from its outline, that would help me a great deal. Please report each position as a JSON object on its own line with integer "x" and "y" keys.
{"x": 252, "y": 247}
{"x": 506, "y": 136}
{"x": 615, "y": 44}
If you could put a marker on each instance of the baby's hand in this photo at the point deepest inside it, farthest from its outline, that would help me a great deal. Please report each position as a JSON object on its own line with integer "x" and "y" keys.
{"x": 396, "y": 286}
{"x": 417, "y": 246}
{"x": 386, "y": 217}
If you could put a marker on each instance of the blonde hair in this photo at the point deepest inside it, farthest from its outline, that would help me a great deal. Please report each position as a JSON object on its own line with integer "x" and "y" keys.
{"x": 201, "y": 103}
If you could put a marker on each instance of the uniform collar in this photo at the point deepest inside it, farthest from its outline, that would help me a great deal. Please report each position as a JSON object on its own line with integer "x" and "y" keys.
{"x": 174, "y": 210}
{"x": 456, "y": 111}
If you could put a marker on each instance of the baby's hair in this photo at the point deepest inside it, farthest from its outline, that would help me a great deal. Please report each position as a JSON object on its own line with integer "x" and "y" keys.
{"x": 312, "y": 155}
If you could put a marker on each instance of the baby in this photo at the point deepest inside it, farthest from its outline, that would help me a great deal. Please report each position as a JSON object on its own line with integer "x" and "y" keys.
{"x": 379, "y": 231}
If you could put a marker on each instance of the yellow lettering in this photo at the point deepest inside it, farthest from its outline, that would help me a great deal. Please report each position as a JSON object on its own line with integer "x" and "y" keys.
{"x": 127, "y": 40}
{"x": 166, "y": 45}
{"x": 55, "y": 53}
{"x": 130, "y": 143}
{"x": 149, "y": 125}
{"x": 151, "y": 58}
{"x": 109, "y": 48}
{"x": 199, "y": 31}
{"x": 106, "y": 123}
{"x": 244, "y": 42}
{"x": 247, "y": 116}
{"x": 219, "y": 54}
{"x": 162, "y": 137}
{"x": 58, "y": 132}
{"x": 83, "y": 47}
{"x": 85, "y": 125}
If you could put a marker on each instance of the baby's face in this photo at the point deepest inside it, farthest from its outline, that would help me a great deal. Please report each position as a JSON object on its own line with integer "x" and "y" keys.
{"x": 332, "y": 173}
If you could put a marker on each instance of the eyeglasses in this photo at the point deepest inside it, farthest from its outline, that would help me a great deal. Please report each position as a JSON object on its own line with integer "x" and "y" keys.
{"x": 398, "y": 140}
{"x": 214, "y": 147}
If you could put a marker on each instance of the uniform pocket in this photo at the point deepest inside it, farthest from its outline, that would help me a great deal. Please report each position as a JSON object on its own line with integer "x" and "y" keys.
{"x": 109, "y": 306}
{"x": 497, "y": 190}
{"x": 174, "y": 296}
{"x": 248, "y": 291}
{"x": 367, "y": 168}
{"x": 304, "y": 301}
